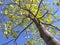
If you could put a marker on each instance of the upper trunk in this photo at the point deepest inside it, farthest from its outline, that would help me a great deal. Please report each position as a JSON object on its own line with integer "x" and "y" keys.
{"x": 45, "y": 34}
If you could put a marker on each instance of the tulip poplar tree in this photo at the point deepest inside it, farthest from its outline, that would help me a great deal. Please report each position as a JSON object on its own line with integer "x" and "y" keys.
{"x": 37, "y": 18}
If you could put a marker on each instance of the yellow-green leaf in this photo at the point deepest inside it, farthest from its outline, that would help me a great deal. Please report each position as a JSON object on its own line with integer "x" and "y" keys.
{"x": 49, "y": 19}
{"x": 30, "y": 43}
{"x": 14, "y": 35}
{"x": 58, "y": 3}
{"x": 6, "y": 12}
{"x": 11, "y": 7}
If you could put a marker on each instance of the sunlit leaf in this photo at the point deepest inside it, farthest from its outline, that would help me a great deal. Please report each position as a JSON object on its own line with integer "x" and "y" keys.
{"x": 6, "y": 12}
{"x": 6, "y": 34}
{"x": 42, "y": 43}
{"x": 49, "y": 19}
{"x": 11, "y": 7}
{"x": 1, "y": 2}
{"x": 35, "y": 1}
{"x": 34, "y": 8}
{"x": 39, "y": 15}
{"x": 56, "y": 16}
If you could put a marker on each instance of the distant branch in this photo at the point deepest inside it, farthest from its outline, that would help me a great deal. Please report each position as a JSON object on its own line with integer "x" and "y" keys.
{"x": 54, "y": 21}
{"x": 44, "y": 14}
{"x": 20, "y": 22}
{"x": 27, "y": 10}
{"x": 18, "y": 34}
{"x": 55, "y": 12}
{"x": 51, "y": 25}
{"x": 8, "y": 42}
{"x": 23, "y": 31}
{"x": 38, "y": 8}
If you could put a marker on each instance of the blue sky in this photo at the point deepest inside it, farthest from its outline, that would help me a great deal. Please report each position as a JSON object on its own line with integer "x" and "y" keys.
{"x": 21, "y": 39}
{"x": 4, "y": 19}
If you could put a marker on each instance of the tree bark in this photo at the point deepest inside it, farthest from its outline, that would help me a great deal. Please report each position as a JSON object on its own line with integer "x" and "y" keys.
{"x": 44, "y": 33}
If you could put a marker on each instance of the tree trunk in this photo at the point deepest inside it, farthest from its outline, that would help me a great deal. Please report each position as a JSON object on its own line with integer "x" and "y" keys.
{"x": 45, "y": 34}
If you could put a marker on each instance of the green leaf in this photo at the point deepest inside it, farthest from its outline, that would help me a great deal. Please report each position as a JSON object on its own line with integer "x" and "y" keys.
{"x": 34, "y": 8}
{"x": 42, "y": 43}
{"x": 1, "y": 2}
{"x": 9, "y": 32}
{"x": 34, "y": 1}
{"x": 6, "y": 34}
{"x": 30, "y": 43}
{"x": 25, "y": 44}
{"x": 6, "y": 12}
{"x": 56, "y": 16}
{"x": 11, "y": 7}
{"x": 14, "y": 35}
{"x": 49, "y": 19}
{"x": 32, "y": 27}
{"x": 58, "y": 3}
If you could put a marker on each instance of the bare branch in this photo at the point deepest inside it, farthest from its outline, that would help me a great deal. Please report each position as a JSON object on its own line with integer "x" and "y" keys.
{"x": 38, "y": 8}
{"x": 43, "y": 15}
{"x": 18, "y": 34}
{"x": 27, "y": 10}
{"x": 51, "y": 25}
{"x": 8, "y": 42}
{"x": 55, "y": 12}
{"x": 23, "y": 31}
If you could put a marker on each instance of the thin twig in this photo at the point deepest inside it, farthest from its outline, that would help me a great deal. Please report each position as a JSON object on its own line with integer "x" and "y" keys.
{"x": 18, "y": 34}
{"x": 44, "y": 14}
{"x": 51, "y": 25}
{"x": 27, "y": 10}
{"x": 19, "y": 23}
{"x": 38, "y": 8}
{"x": 8, "y": 42}
{"x": 23, "y": 30}
{"x": 55, "y": 12}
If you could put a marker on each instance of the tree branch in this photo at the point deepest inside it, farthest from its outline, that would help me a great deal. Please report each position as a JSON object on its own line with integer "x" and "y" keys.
{"x": 23, "y": 31}
{"x": 18, "y": 34}
{"x": 19, "y": 23}
{"x": 55, "y": 12}
{"x": 44, "y": 14}
{"x": 51, "y": 25}
{"x": 8, "y": 42}
{"x": 38, "y": 8}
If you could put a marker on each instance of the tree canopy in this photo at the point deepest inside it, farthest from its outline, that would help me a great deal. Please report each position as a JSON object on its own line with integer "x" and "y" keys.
{"x": 16, "y": 13}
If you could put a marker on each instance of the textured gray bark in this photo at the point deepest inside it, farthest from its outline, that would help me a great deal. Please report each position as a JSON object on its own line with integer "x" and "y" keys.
{"x": 45, "y": 34}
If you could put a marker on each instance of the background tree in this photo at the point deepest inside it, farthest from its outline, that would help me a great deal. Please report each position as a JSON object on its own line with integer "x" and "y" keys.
{"x": 37, "y": 18}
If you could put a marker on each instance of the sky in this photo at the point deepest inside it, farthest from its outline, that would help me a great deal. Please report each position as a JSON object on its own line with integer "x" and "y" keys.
{"x": 4, "y": 19}
{"x": 21, "y": 39}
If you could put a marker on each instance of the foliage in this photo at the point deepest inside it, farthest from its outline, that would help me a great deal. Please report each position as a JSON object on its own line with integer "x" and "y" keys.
{"x": 18, "y": 16}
